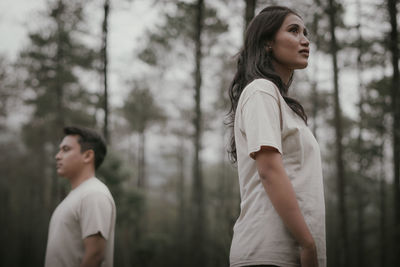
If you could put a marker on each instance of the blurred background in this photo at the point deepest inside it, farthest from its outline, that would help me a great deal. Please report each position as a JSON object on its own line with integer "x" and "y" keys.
{"x": 152, "y": 76}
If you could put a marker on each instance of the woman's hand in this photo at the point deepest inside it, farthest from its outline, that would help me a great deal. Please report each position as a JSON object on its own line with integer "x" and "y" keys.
{"x": 308, "y": 256}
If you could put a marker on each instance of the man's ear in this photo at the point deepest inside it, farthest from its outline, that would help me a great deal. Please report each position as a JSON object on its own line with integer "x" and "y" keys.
{"x": 88, "y": 156}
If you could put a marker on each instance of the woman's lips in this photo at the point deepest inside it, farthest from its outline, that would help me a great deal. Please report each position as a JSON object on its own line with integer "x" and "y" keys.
{"x": 304, "y": 52}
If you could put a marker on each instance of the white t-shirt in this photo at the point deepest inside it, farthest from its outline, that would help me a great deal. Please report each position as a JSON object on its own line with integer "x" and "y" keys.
{"x": 260, "y": 237}
{"x": 87, "y": 210}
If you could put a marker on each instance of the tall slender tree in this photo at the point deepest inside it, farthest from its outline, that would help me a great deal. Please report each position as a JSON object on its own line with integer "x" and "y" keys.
{"x": 192, "y": 29}
{"x": 249, "y": 12}
{"x": 340, "y": 168}
{"x": 50, "y": 61}
{"x": 141, "y": 112}
{"x": 395, "y": 95}
{"x": 317, "y": 40}
{"x": 359, "y": 184}
{"x": 56, "y": 97}
{"x": 198, "y": 188}
{"x": 382, "y": 208}
{"x": 104, "y": 56}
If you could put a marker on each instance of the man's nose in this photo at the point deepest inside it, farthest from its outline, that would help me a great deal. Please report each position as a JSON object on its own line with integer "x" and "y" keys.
{"x": 57, "y": 156}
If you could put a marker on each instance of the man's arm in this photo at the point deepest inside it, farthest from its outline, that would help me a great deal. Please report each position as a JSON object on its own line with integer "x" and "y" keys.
{"x": 280, "y": 191}
{"x": 95, "y": 247}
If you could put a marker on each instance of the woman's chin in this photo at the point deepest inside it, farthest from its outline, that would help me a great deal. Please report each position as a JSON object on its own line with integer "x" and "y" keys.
{"x": 301, "y": 65}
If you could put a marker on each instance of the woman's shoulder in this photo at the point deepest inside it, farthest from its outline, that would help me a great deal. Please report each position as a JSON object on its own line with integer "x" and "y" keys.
{"x": 262, "y": 86}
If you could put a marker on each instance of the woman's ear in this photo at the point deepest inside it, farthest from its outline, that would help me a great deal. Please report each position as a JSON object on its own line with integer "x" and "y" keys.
{"x": 268, "y": 46}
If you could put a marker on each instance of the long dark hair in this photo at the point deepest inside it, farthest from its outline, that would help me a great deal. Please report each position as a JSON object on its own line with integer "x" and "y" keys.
{"x": 254, "y": 61}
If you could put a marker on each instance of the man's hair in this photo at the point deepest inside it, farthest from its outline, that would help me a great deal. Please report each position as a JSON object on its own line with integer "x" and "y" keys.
{"x": 89, "y": 139}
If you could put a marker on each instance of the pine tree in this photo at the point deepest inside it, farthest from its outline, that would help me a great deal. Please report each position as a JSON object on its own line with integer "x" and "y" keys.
{"x": 192, "y": 30}
{"x": 250, "y": 9}
{"x": 50, "y": 67}
{"x": 340, "y": 168}
{"x": 141, "y": 112}
{"x": 104, "y": 54}
{"x": 395, "y": 94}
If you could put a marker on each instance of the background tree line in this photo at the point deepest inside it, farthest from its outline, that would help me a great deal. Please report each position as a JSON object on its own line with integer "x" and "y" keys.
{"x": 175, "y": 190}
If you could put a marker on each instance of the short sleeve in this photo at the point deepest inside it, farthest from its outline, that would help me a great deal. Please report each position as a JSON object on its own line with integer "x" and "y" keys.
{"x": 261, "y": 121}
{"x": 96, "y": 215}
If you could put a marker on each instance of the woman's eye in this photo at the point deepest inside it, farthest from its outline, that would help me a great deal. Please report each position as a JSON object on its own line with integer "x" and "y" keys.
{"x": 294, "y": 30}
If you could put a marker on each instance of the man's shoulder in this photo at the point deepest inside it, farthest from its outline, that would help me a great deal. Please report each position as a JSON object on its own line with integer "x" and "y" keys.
{"x": 95, "y": 188}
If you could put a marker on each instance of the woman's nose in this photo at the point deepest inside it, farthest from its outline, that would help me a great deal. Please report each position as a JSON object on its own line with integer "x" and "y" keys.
{"x": 305, "y": 41}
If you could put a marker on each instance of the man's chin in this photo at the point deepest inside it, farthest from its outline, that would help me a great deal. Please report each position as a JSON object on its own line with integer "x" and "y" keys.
{"x": 60, "y": 173}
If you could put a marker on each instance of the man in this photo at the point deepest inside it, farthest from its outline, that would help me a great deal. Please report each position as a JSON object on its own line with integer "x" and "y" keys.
{"x": 81, "y": 231}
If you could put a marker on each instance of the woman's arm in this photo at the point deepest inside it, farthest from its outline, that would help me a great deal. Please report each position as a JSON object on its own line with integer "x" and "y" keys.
{"x": 280, "y": 191}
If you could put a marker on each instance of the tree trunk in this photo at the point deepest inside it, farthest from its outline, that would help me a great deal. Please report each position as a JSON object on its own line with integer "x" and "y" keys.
{"x": 382, "y": 210}
{"x": 105, "y": 67}
{"x": 341, "y": 185}
{"x": 314, "y": 82}
{"x": 141, "y": 161}
{"x": 181, "y": 185}
{"x": 315, "y": 106}
{"x": 59, "y": 68}
{"x": 141, "y": 226}
{"x": 360, "y": 144}
{"x": 198, "y": 248}
{"x": 60, "y": 123}
{"x": 181, "y": 236}
{"x": 392, "y": 9}
{"x": 249, "y": 12}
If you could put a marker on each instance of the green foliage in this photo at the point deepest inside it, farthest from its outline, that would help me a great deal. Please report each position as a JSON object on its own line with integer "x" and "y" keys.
{"x": 116, "y": 176}
{"x": 6, "y": 89}
{"x": 378, "y": 105}
{"x": 140, "y": 109}
{"x": 113, "y": 173}
{"x": 50, "y": 67}
{"x": 178, "y": 27}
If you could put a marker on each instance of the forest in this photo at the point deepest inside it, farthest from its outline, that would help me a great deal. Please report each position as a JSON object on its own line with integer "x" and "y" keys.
{"x": 162, "y": 108}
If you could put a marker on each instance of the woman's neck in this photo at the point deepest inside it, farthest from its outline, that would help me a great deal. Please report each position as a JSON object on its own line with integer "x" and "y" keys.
{"x": 283, "y": 72}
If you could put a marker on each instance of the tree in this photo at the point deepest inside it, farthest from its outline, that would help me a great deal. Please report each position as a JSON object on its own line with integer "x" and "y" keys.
{"x": 198, "y": 188}
{"x": 50, "y": 63}
{"x": 141, "y": 111}
{"x": 49, "y": 67}
{"x": 129, "y": 203}
{"x": 187, "y": 33}
{"x": 249, "y": 12}
{"x": 341, "y": 184}
{"x": 105, "y": 68}
{"x": 376, "y": 121}
{"x": 11, "y": 157}
{"x": 359, "y": 189}
{"x": 395, "y": 95}
{"x": 10, "y": 93}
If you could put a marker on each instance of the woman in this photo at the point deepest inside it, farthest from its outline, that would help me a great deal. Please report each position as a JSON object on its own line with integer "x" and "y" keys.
{"x": 282, "y": 218}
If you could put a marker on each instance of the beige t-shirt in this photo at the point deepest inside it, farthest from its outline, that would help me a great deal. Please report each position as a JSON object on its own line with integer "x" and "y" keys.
{"x": 87, "y": 210}
{"x": 264, "y": 119}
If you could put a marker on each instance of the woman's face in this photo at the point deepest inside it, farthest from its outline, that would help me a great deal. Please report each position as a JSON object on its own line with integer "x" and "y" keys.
{"x": 290, "y": 48}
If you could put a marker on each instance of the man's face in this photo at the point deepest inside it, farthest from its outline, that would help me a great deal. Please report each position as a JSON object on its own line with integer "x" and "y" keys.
{"x": 69, "y": 159}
